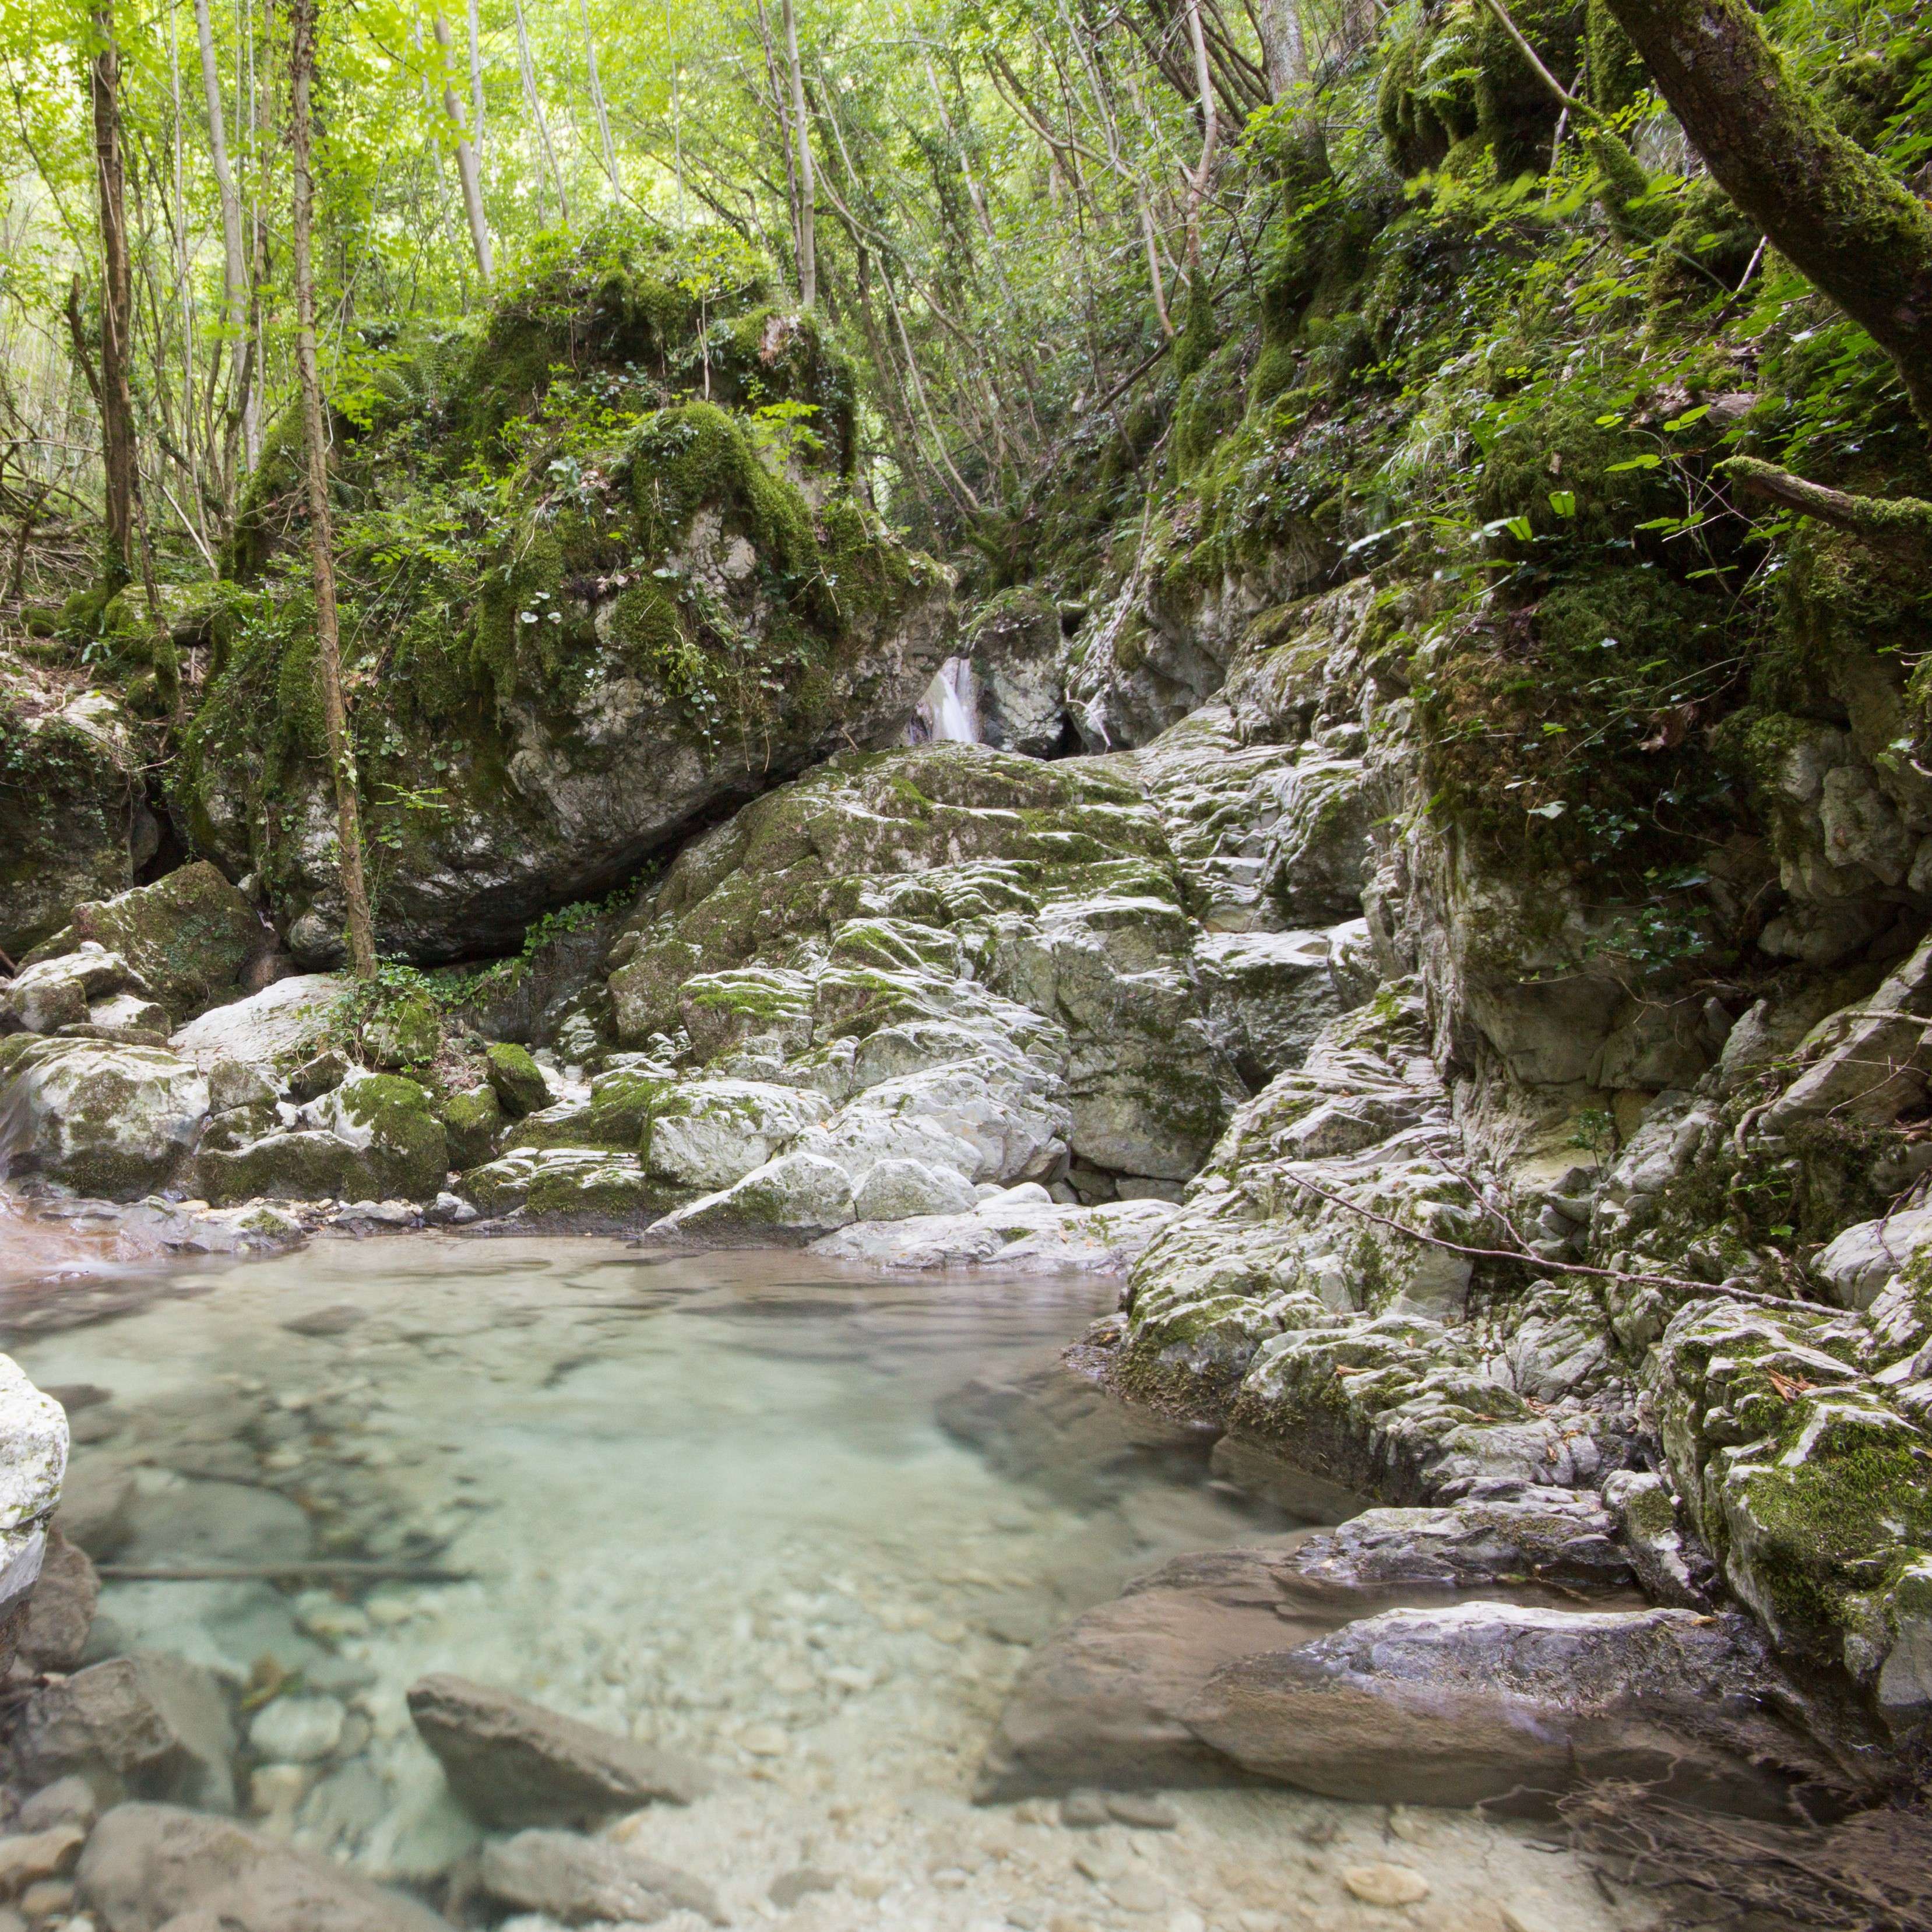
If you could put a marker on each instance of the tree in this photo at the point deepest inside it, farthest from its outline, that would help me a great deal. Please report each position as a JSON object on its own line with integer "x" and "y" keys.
{"x": 807, "y": 240}
{"x": 1832, "y": 210}
{"x": 468, "y": 168}
{"x": 119, "y": 455}
{"x": 322, "y": 528}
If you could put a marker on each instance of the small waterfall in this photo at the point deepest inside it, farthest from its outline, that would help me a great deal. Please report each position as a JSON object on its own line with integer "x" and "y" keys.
{"x": 946, "y": 713}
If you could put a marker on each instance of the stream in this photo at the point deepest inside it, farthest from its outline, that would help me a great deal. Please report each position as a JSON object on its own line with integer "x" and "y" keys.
{"x": 763, "y": 1509}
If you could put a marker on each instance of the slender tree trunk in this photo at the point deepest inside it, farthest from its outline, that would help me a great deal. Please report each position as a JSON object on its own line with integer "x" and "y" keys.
{"x": 475, "y": 82}
{"x": 597, "y": 101}
{"x": 807, "y": 252}
{"x": 788, "y": 146}
{"x": 321, "y": 523}
{"x": 536, "y": 99}
{"x": 1834, "y": 211}
{"x": 468, "y": 169}
{"x": 118, "y": 455}
{"x": 1210, "y": 139}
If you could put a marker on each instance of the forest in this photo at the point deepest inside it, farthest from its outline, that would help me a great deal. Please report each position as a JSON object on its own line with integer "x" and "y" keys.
{"x": 1047, "y": 891}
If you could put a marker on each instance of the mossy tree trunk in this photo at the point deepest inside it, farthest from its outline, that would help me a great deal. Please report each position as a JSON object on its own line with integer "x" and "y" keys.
{"x": 321, "y": 524}
{"x": 1833, "y": 210}
{"x": 116, "y": 397}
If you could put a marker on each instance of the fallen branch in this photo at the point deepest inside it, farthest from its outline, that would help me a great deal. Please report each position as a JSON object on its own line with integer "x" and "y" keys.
{"x": 1902, "y": 525}
{"x": 1536, "y": 1260}
{"x": 345, "y": 1571}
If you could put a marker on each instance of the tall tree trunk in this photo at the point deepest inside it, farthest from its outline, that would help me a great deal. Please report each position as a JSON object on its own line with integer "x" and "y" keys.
{"x": 234, "y": 261}
{"x": 321, "y": 522}
{"x": 535, "y": 100}
{"x": 807, "y": 248}
{"x": 1210, "y": 139}
{"x": 1833, "y": 210}
{"x": 468, "y": 168}
{"x": 475, "y": 82}
{"x": 118, "y": 455}
{"x": 597, "y": 101}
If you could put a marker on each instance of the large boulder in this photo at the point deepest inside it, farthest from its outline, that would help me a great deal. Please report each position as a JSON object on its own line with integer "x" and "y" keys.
{"x": 1484, "y": 1701}
{"x": 33, "y": 1462}
{"x": 576, "y": 681}
{"x": 278, "y": 1027}
{"x": 147, "y": 1866}
{"x": 377, "y": 1136}
{"x": 74, "y": 822}
{"x": 152, "y": 1726}
{"x": 188, "y": 938}
{"x": 512, "y": 1763}
{"x": 109, "y": 1120}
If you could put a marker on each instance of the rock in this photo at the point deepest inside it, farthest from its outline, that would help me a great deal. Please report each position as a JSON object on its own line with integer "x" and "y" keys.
{"x": 322, "y": 1074}
{"x": 518, "y": 1080}
{"x": 238, "y": 1083}
{"x": 1142, "y": 1810}
{"x": 1084, "y": 1810}
{"x": 512, "y": 1763}
{"x": 275, "y": 1028}
{"x": 297, "y": 1730}
{"x": 892, "y": 1190}
{"x": 72, "y": 815}
{"x": 61, "y": 992}
{"x": 96, "y": 1512}
{"x": 61, "y": 1611}
{"x": 583, "y": 1187}
{"x": 157, "y": 1725}
{"x": 405, "y": 1032}
{"x": 1027, "y": 1236}
{"x": 1268, "y": 994}
{"x": 375, "y": 1135}
{"x": 1013, "y": 648}
{"x": 1479, "y": 1702}
{"x": 1671, "y": 1567}
{"x": 33, "y": 1458}
{"x": 67, "y": 1801}
{"x": 152, "y": 1866}
{"x": 128, "y": 1016}
{"x": 471, "y": 1120}
{"x": 39, "y": 1855}
{"x": 188, "y": 937}
{"x": 1388, "y": 1886}
{"x": 796, "y": 1197}
{"x": 1878, "y": 1057}
{"x": 1859, "y": 1260}
{"x": 114, "y": 1121}
{"x": 582, "y": 1880}
{"x": 790, "y": 1888}
{"x": 705, "y": 1134}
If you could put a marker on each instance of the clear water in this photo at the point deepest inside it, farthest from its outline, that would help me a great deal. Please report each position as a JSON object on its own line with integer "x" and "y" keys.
{"x": 712, "y": 1503}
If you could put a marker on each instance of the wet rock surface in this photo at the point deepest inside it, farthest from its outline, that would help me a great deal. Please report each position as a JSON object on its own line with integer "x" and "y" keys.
{"x": 512, "y": 1763}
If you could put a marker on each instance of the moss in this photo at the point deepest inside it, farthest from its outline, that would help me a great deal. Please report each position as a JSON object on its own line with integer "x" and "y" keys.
{"x": 471, "y": 1120}
{"x": 517, "y": 1079}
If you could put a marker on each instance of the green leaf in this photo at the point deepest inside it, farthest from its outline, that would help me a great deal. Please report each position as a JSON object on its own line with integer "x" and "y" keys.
{"x": 1648, "y": 461}
{"x": 1688, "y": 418}
{"x": 1520, "y": 528}
{"x": 1563, "y": 502}
{"x": 1555, "y": 808}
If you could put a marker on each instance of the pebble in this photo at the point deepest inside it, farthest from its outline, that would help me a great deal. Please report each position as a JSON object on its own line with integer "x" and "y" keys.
{"x": 1145, "y": 1810}
{"x": 39, "y": 1855}
{"x": 1101, "y": 1862}
{"x": 788, "y": 1888}
{"x": 69, "y": 1801}
{"x": 298, "y": 1730}
{"x": 1137, "y": 1892}
{"x": 763, "y": 1740}
{"x": 1084, "y": 1810}
{"x": 871, "y": 1886}
{"x": 50, "y": 1895}
{"x": 1516, "y": 1920}
{"x": 1386, "y": 1885}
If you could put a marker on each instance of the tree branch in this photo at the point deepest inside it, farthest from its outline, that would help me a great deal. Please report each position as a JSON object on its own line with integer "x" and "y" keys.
{"x": 1901, "y": 525}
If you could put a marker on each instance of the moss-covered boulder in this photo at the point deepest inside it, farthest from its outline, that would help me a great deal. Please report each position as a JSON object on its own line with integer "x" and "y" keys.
{"x": 113, "y": 1121}
{"x": 73, "y": 820}
{"x": 472, "y": 1118}
{"x": 188, "y": 938}
{"x": 668, "y": 599}
{"x": 585, "y": 1188}
{"x": 517, "y": 1079}
{"x": 377, "y": 1136}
